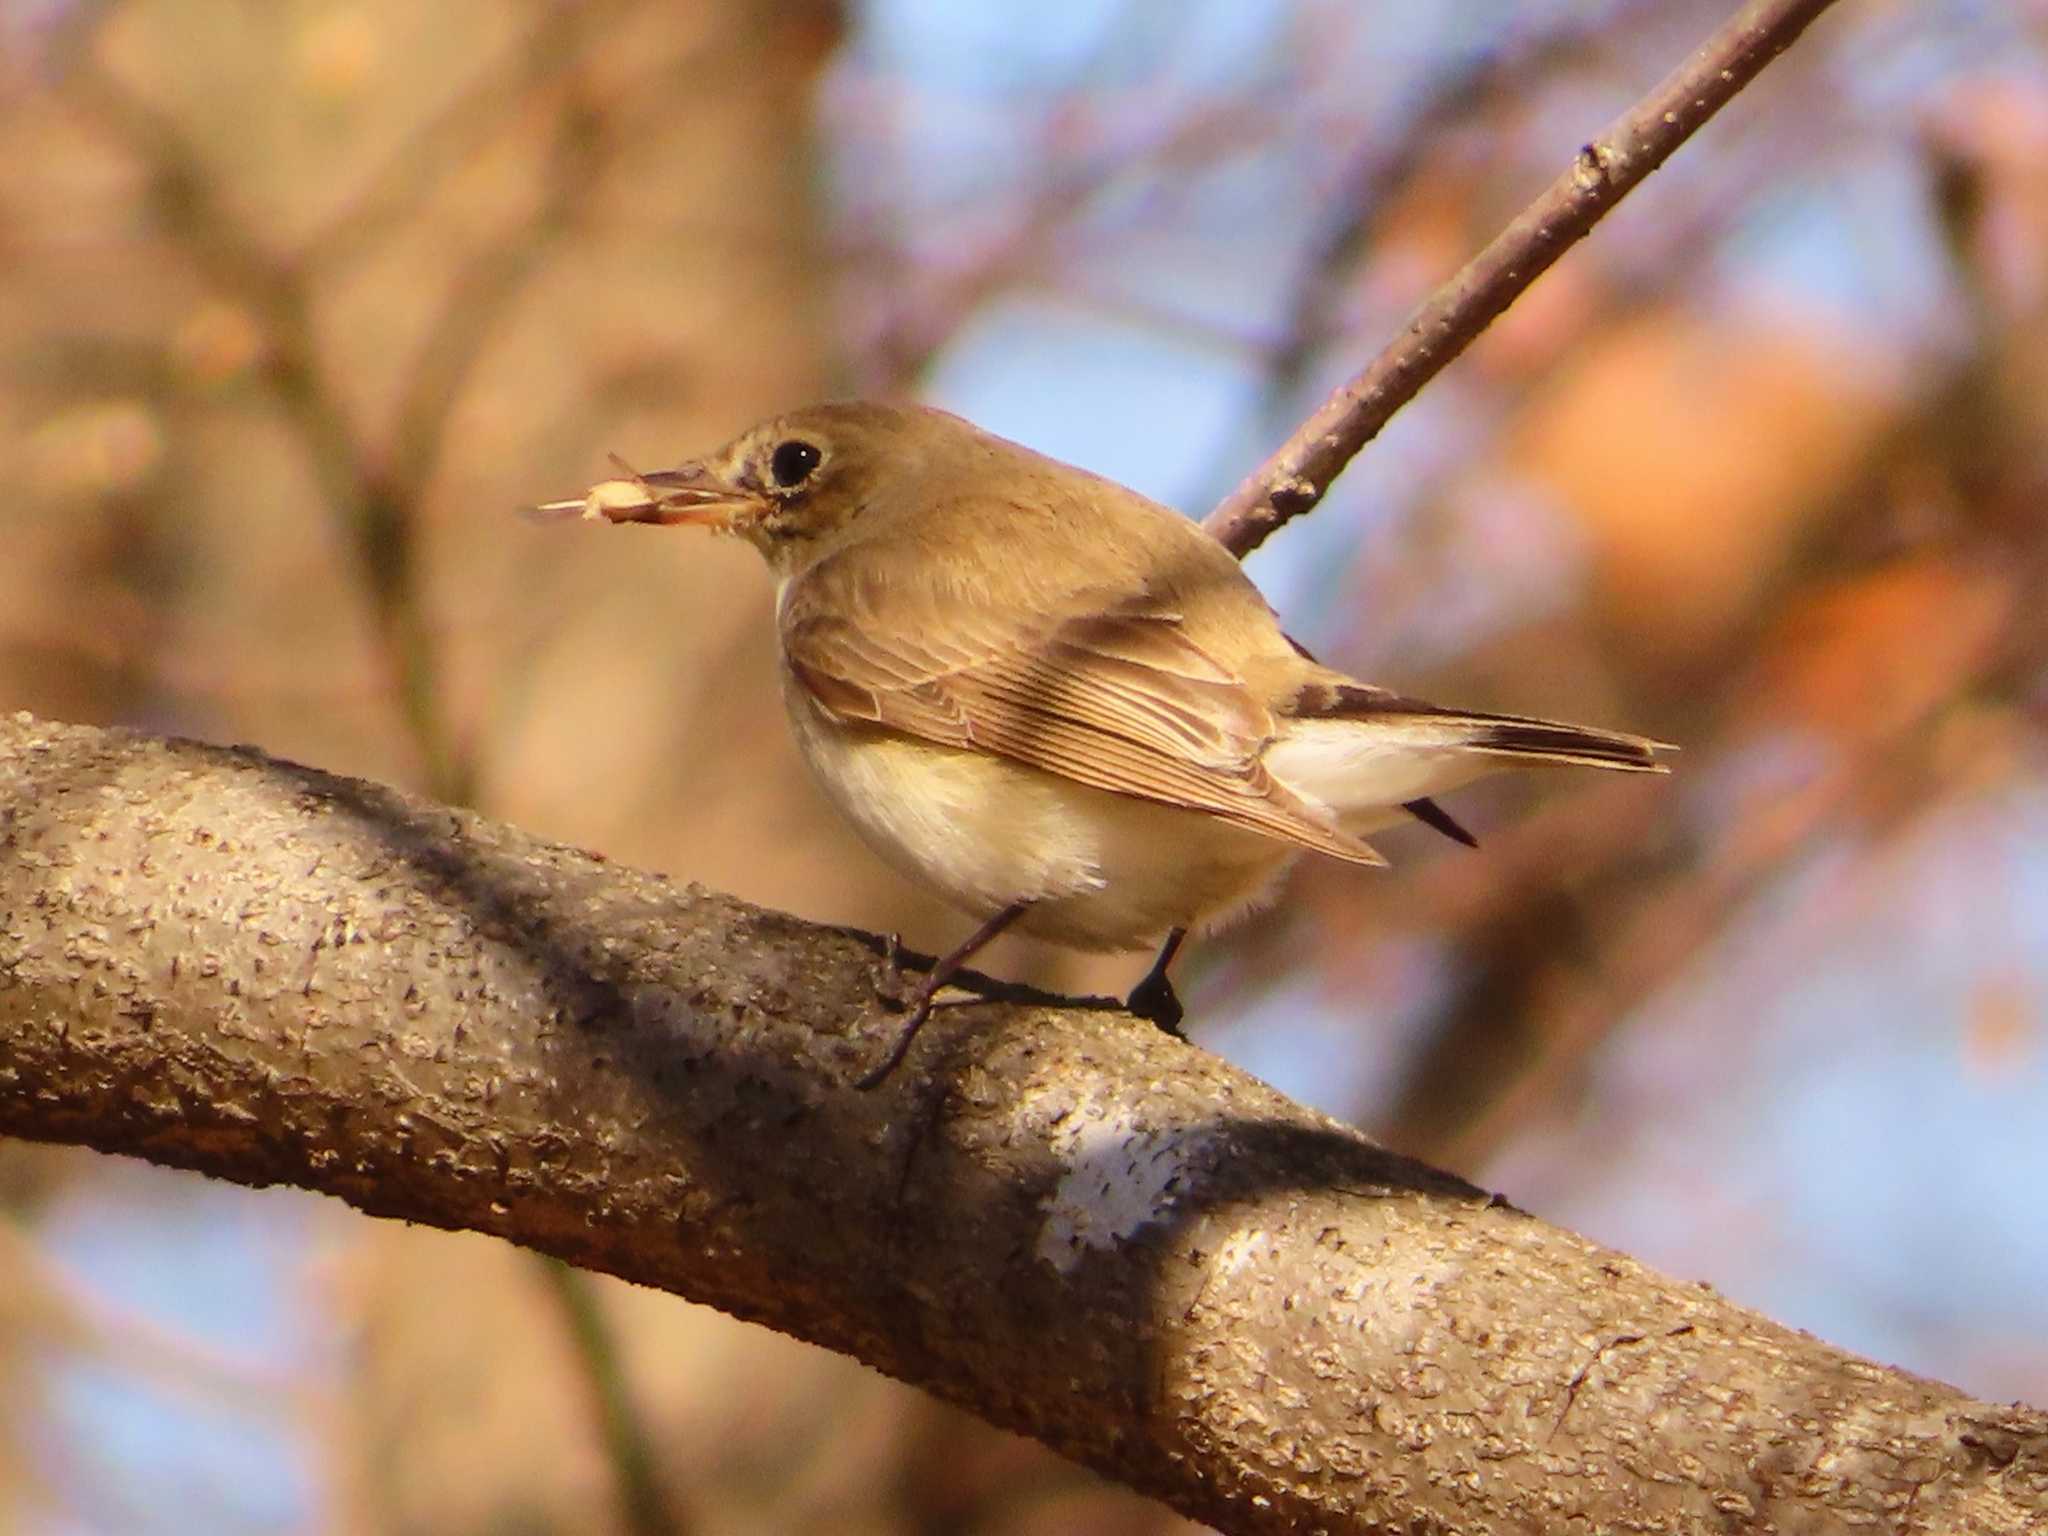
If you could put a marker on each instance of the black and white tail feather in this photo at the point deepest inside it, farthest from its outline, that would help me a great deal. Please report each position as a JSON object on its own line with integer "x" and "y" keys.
{"x": 1368, "y": 753}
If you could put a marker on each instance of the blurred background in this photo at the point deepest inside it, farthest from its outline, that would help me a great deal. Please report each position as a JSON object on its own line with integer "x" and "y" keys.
{"x": 302, "y": 297}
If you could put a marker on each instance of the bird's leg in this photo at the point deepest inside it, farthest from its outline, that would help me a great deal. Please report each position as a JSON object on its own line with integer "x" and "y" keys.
{"x": 942, "y": 971}
{"x": 1154, "y": 997}
{"x": 892, "y": 965}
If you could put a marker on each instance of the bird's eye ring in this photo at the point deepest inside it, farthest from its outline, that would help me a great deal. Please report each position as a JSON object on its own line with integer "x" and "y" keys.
{"x": 792, "y": 462}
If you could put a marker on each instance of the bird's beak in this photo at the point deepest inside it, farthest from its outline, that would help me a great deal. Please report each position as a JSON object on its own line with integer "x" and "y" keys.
{"x": 690, "y": 493}
{"x": 693, "y": 494}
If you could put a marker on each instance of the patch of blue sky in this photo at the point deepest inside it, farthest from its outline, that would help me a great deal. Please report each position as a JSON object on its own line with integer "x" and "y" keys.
{"x": 202, "y": 1259}
{"x": 1899, "y": 58}
{"x": 1858, "y": 251}
{"x": 1919, "y": 1196}
{"x": 1801, "y": 1121}
{"x": 1335, "y": 1053}
{"x": 979, "y": 48}
{"x": 1216, "y": 255}
{"x": 217, "y": 1268}
{"x": 968, "y": 89}
{"x": 1315, "y": 569}
{"x": 1507, "y": 555}
{"x": 1119, "y": 398}
{"x": 152, "y": 1461}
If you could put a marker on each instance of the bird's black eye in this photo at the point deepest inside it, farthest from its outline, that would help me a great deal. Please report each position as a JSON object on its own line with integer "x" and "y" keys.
{"x": 792, "y": 462}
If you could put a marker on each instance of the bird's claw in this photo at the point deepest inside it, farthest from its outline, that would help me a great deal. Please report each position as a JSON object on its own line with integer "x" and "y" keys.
{"x": 1154, "y": 999}
{"x": 920, "y": 1005}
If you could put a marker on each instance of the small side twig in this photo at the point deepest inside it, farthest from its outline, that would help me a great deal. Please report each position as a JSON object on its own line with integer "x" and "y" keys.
{"x": 644, "y": 1502}
{"x": 1296, "y": 477}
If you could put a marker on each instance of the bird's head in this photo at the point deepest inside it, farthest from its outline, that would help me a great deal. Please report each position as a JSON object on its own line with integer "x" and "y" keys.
{"x": 794, "y": 486}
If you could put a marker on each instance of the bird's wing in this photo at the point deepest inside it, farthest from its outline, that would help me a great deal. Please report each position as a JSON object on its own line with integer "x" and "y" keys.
{"x": 1118, "y": 698}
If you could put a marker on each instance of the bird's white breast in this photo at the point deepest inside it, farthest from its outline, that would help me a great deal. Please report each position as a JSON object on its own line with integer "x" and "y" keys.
{"x": 1104, "y": 871}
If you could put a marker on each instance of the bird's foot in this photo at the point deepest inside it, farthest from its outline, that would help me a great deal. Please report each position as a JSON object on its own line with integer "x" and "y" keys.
{"x": 919, "y": 1002}
{"x": 1154, "y": 999}
{"x": 943, "y": 970}
{"x": 895, "y": 989}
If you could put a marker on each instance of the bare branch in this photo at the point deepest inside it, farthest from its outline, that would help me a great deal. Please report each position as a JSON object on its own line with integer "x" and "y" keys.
{"x": 492, "y": 101}
{"x": 1072, "y": 1225}
{"x": 372, "y": 495}
{"x": 1377, "y": 173}
{"x": 1296, "y": 477}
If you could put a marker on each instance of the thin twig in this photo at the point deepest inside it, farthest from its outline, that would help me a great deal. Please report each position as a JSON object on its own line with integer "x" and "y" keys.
{"x": 1377, "y": 173}
{"x": 910, "y": 337}
{"x": 1296, "y": 477}
{"x": 388, "y": 533}
{"x": 235, "y": 262}
{"x": 487, "y": 107}
{"x": 376, "y": 499}
{"x": 627, "y": 1440}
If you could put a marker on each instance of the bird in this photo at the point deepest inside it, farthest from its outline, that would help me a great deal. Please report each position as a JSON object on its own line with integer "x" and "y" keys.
{"x": 1061, "y": 705}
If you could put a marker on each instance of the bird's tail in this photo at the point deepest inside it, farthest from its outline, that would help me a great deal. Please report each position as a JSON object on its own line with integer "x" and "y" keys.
{"x": 1374, "y": 757}
{"x": 1546, "y": 741}
{"x": 1432, "y": 727}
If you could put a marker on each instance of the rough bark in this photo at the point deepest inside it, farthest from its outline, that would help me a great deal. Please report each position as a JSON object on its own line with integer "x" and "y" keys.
{"x": 1053, "y": 1216}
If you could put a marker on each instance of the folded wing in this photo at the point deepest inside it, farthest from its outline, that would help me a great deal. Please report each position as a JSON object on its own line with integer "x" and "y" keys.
{"x": 1117, "y": 698}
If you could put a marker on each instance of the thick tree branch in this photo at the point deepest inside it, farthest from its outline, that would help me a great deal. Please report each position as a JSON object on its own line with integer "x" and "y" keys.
{"x": 1056, "y": 1217}
{"x": 1298, "y": 474}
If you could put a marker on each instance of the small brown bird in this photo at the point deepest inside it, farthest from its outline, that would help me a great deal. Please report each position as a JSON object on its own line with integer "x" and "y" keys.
{"x": 1062, "y": 706}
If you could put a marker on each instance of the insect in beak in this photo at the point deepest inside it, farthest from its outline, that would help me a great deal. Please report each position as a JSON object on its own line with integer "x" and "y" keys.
{"x": 689, "y": 494}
